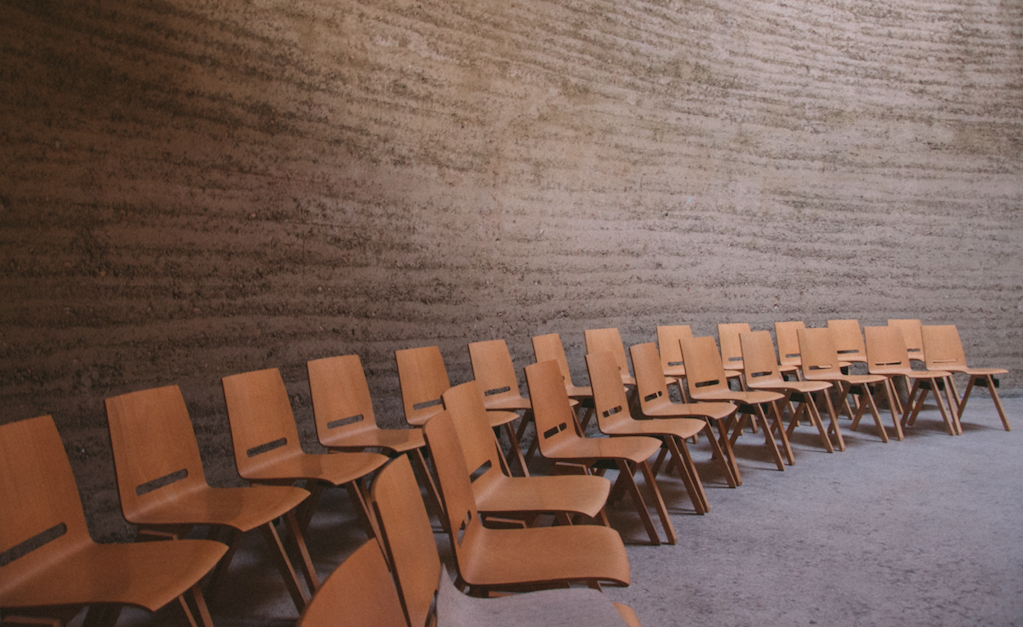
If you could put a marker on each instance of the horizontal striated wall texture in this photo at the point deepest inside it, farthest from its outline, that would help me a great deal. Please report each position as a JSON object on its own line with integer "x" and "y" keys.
{"x": 191, "y": 189}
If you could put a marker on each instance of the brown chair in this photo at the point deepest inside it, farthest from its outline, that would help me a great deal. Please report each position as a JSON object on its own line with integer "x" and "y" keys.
{"x": 911, "y": 333}
{"x": 515, "y": 559}
{"x": 419, "y": 574}
{"x": 787, "y": 336}
{"x": 821, "y": 363}
{"x": 668, "y": 337}
{"x": 610, "y": 340}
{"x": 708, "y": 382}
{"x": 764, "y": 373}
{"x": 493, "y": 369}
{"x": 499, "y": 494}
{"x": 50, "y": 564}
{"x": 424, "y": 378}
{"x": 163, "y": 488}
{"x": 944, "y": 351}
{"x": 655, "y": 403}
{"x": 561, "y": 441}
{"x": 887, "y": 356}
{"x": 548, "y": 347}
{"x": 345, "y": 420}
{"x": 731, "y": 349}
{"x": 267, "y": 449}
{"x": 615, "y": 420}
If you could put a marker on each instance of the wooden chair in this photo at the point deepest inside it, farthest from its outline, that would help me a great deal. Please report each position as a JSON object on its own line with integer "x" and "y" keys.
{"x": 267, "y": 449}
{"x": 911, "y": 333}
{"x": 615, "y": 420}
{"x": 499, "y": 494}
{"x": 655, "y": 403}
{"x": 610, "y": 340}
{"x": 944, "y": 351}
{"x": 560, "y": 440}
{"x": 345, "y": 420}
{"x": 672, "y": 366}
{"x": 419, "y": 574}
{"x": 731, "y": 349}
{"x": 764, "y": 373}
{"x": 548, "y": 347}
{"x": 787, "y": 336}
{"x": 493, "y": 369}
{"x": 887, "y": 356}
{"x": 515, "y": 559}
{"x": 48, "y": 562}
{"x": 424, "y": 378}
{"x": 708, "y": 382}
{"x": 821, "y": 363}
{"x": 163, "y": 488}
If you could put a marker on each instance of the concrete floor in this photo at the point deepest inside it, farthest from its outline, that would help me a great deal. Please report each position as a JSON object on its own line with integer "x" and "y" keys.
{"x": 928, "y": 531}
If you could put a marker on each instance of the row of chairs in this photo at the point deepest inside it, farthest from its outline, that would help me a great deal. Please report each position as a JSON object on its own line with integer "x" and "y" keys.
{"x": 163, "y": 489}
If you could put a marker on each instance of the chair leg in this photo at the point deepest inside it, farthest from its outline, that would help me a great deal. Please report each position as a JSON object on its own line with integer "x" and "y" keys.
{"x": 516, "y": 448}
{"x": 433, "y": 496}
{"x": 725, "y": 458}
{"x": 687, "y": 471}
{"x": 297, "y": 539}
{"x": 772, "y": 446}
{"x": 780, "y": 427}
{"x": 910, "y": 409}
{"x": 213, "y": 581}
{"x": 953, "y": 404}
{"x": 936, "y": 393}
{"x": 815, "y": 416}
{"x": 204, "y": 619}
{"x": 626, "y": 478}
{"x": 998, "y": 402}
{"x": 660, "y": 460}
{"x": 662, "y": 509}
{"x": 287, "y": 571}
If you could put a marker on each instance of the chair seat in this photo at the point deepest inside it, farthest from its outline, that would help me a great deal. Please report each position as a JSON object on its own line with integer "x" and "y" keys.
{"x": 555, "y": 554}
{"x": 635, "y": 449}
{"x": 397, "y": 440}
{"x": 145, "y": 574}
{"x": 804, "y": 387}
{"x": 912, "y": 374}
{"x": 976, "y": 372}
{"x": 852, "y": 379}
{"x": 667, "y": 408}
{"x": 577, "y": 391}
{"x": 239, "y": 508}
{"x": 499, "y": 493}
{"x": 753, "y": 397}
{"x": 679, "y": 427}
{"x": 507, "y": 403}
{"x": 336, "y": 469}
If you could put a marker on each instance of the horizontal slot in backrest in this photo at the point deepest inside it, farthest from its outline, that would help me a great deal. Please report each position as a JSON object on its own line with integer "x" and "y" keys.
{"x": 497, "y": 391}
{"x": 650, "y": 397}
{"x": 266, "y": 448}
{"x": 341, "y": 422}
{"x": 35, "y": 542}
{"x": 426, "y": 404}
{"x": 553, "y": 431}
{"x": 161, "y": 482}
{"x": 612, "y": 411}
{"x": 704, "y": 384}
{"x": 676, "y": 363}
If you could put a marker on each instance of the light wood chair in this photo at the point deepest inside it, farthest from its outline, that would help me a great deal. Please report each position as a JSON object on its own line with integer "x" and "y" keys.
{"x": 493, "y": 369}
{"x": 821, "y": 363}
{"x": 562, "y": 441}
{"x": 163, "y": 488}
{"x": 731, "y": 349}
{"x": 419, "y": 574}
{"x": 515, "y": 559}
{"x": 51, "y": 566}
{"x": 610, "y": 340}
{"x": 655, "y": 403}
{"x": 708, "y": 382}
{"x": 670, "y": 352}
{"x": 615, "y": 420}
{"x": 267, "y": 449}
{"x": 911, "y": 333}
{"x": 887, "y": 356}
{"x": 345, "y": 421}
{"x": 499, "y": 494}
{"x": 764, "y": 373}
{"x": 944, "y": 351}
{"x": 848, "y": 339}
{"x": 424, "y": 378}
{"x": 548, "y": 347}
{"x": 787, "y": 336}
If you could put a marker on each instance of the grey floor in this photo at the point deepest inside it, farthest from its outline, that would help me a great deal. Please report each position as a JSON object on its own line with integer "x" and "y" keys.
{"x": 928, "y": 531}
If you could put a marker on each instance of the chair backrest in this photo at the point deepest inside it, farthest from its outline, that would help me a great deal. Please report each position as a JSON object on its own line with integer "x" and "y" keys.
{"x": 788, "y": 341}
{"x": 41, "y": 518}
{"x": 342, "y": 405}
{"x": 263, "y": 426}
{"x": 608, "y": 340}
{"x": 465, "y": 405}
{"x": 911, "y": 333}
{"x": 703, "y": 365}
{"x": 817, "y": 352}
{"x": 464, "y": 525}
{"x": 668, "y": 338}
{"x": 423, "y": 379}
{"x": 552, "y": 411}
{"x": 407, "y": 538}
{"x": 549, "y": 347}
{"x": 650, "y": 381}
{"x": 731, "y": 347}
{"x": 156, "y": 455}
{"x": 942, "y": 347}
{"x": 848, "y": 340}
{"x": 886, "y": 349}
{"x": 609, "y": 399}
{"x": 493, "y": 369}
{"x": 759, "y": 358}
{"x": 359, "y": 593}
